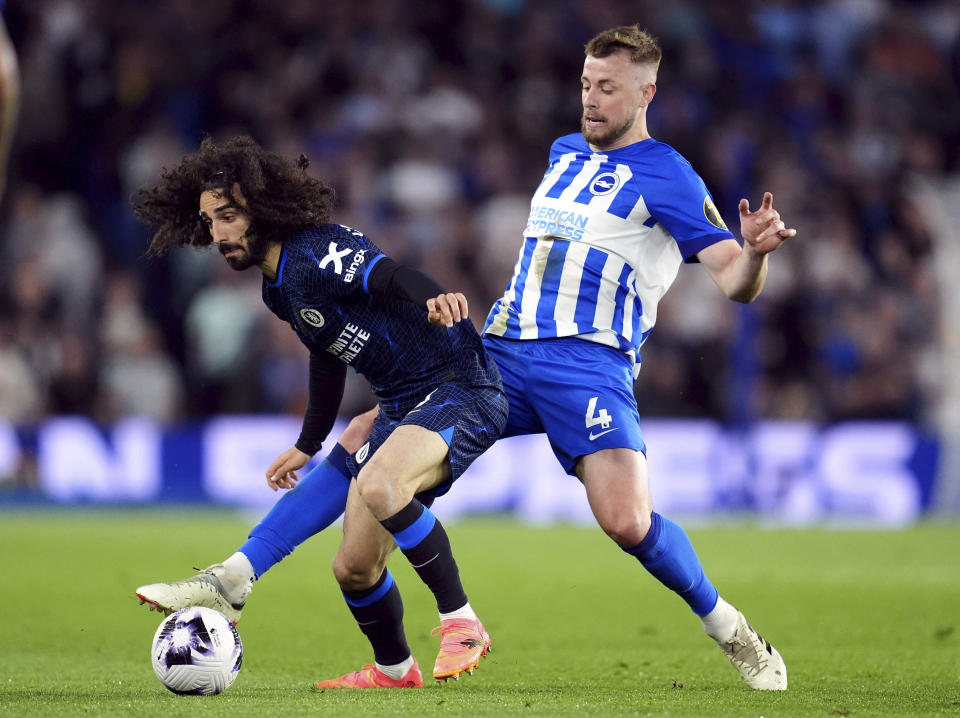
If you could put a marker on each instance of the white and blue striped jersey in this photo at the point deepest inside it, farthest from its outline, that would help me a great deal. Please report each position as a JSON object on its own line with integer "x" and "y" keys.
{"x": 606, "y": 235}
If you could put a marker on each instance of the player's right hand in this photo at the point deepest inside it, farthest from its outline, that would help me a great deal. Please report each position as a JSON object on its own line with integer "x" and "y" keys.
{"x": 447, "y": 309}
{"x": 282, "y": 473}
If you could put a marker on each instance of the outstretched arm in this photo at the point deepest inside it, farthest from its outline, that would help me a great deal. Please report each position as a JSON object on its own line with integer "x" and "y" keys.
{"x": 741, "y": 272}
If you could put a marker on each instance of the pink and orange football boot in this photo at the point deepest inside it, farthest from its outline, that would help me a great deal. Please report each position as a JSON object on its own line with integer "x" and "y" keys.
{"x": 464, "y": 641}
{"x": 372, "y": 677}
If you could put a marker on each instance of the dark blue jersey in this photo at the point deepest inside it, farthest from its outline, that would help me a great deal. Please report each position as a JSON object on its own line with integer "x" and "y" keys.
{"x": 322, "y": 291}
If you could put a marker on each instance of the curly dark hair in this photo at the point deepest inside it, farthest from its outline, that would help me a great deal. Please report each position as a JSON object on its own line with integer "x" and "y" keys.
{"x": 280, "y": 197}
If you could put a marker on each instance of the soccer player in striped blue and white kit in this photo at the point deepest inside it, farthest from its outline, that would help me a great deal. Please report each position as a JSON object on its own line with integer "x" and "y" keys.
{"x": 614, "y": 217}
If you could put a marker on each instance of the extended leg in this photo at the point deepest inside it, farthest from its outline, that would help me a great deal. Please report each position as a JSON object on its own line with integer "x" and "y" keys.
{"x": 616, "y": 483}
{"x": 302, "y": 512}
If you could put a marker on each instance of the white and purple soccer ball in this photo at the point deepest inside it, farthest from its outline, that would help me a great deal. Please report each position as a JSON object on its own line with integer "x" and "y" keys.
{"x": 197, "y": 651}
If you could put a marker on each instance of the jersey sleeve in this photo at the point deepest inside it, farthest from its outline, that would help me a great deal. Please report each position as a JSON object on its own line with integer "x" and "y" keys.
{"x": 401, "y": 281}
{"x": 685, "y": 208}
{"x": 327, "y": 379}
{"x": 342, "y": 259}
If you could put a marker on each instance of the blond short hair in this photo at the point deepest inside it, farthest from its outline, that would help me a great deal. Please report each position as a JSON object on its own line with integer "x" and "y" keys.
{"x": 641, "y": 45}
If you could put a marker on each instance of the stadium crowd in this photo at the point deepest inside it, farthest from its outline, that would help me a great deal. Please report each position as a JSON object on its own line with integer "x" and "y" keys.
{"x": 433, "y": 121}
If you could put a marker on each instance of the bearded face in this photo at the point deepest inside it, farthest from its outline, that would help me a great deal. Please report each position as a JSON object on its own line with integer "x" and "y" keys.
{"x": 250, "y": 250}
{"x": 614, "y": 93}
{"x": 231, "y": 230}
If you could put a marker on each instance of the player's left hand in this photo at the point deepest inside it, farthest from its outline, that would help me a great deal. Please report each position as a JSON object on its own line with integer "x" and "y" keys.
{"x": 447, "y": 309}
{"x": 763, "y": 230}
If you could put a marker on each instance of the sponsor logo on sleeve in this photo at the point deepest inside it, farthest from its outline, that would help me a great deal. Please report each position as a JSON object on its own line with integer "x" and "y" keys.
{"x": 354, "y": 267}
{"x": 711, "y": 213}
{"x": 335, "y": 257}
{"x": 312, "y": 317}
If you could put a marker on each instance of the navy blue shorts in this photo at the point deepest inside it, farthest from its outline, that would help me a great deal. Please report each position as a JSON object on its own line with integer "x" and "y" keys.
{"x": 469, "y": 415}
{"x": 579, "y": 393}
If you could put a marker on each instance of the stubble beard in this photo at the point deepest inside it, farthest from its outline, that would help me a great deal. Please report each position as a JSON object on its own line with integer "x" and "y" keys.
{"x": 252, "y": 255}
{"x": 605, "y": 137}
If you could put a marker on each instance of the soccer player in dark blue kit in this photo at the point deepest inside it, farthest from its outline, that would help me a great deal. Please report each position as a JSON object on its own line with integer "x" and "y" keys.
{"x": 441, "y": 402}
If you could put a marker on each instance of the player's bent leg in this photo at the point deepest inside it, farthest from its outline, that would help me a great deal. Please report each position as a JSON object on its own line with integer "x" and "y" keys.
{"x": 372, "y": 677}
{"x": 365, "y": 548}
{"x": 616, "y": 485}
{"x": 464, "y": 641}
{"x": 373, "y": 598}
{"x": 412, "y": 459}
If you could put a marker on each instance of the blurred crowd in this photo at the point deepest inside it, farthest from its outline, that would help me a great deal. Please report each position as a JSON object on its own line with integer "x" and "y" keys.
{"x": 432, "y": 120}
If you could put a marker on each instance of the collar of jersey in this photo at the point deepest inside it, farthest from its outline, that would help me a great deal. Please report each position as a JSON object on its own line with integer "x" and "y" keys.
{"x": 283, "y": 258}
{"x": 580, "y": 144}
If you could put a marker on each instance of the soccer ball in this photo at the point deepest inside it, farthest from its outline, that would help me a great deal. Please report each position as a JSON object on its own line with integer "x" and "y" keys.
{"x": 197, "y": 651}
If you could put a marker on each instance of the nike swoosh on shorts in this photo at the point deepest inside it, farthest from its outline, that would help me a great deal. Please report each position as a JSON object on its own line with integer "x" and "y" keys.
{"x": 597, "y": 436}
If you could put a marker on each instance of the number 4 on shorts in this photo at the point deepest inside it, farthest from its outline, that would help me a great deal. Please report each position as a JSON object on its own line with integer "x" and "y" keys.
{"x": 602, "y": 418}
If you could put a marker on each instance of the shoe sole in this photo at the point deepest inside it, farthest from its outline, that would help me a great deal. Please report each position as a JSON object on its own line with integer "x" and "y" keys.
{"x": 153, "y": 605}
{"x": 317, "y": 688}
{"x": 455, "y": 675}
{"x": 166, "y": 610}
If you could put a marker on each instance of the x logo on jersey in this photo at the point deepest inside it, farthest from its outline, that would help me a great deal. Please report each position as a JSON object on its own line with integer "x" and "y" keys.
{"x": 334, "y": 255}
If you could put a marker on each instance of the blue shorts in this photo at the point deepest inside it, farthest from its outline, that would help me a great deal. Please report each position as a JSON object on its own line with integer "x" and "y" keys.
{"x": 578, "y": 392}
{"x": 470, "y": 415}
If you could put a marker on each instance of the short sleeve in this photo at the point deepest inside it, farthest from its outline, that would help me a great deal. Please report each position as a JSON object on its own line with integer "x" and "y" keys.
{"x": 682, "y": 204}
{"x": 342, "y": 259}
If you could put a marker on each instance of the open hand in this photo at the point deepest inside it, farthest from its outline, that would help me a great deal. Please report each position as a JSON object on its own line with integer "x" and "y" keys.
{"x": 763, "y": 231}
{"x": 282, "y": 473}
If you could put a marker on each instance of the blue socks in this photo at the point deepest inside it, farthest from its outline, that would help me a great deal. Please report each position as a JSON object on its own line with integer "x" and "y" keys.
{"x": 307, "y": 509}
{"x": 667, "y": 553}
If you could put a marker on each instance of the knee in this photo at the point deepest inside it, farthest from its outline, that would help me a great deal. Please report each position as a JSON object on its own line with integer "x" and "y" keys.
{"x": 353, "y": 576}
{"x": 376, "y": 490}
{"x": 626, "y": 528}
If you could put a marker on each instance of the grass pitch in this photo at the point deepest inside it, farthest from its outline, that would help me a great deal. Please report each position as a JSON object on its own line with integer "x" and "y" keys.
{"x": 866, "y": 621}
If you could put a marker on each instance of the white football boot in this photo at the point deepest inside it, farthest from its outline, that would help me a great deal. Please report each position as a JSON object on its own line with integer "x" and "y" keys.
{"x": 758, "y": 663}
{"x": 204, "y": 589}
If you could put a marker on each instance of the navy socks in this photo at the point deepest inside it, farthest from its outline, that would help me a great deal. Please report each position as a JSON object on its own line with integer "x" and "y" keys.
{"x": 378, "y": 611}
{"x": 423, "y": 541}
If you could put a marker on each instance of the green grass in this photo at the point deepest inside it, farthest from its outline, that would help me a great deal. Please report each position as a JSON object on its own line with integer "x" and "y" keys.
{"x": 867, "y": 622}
